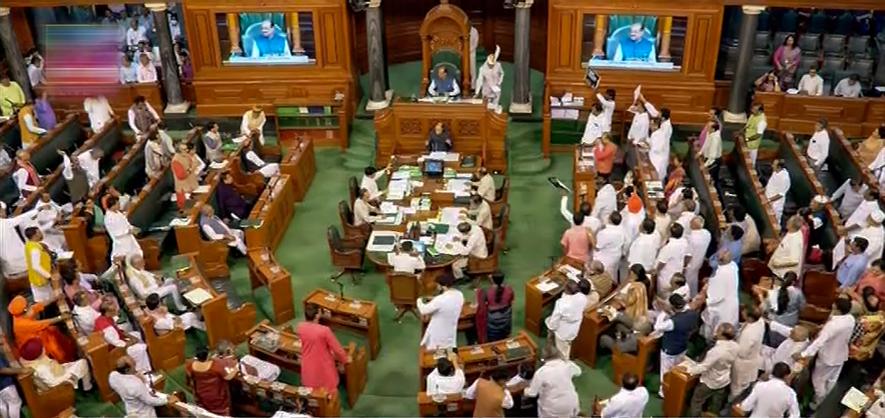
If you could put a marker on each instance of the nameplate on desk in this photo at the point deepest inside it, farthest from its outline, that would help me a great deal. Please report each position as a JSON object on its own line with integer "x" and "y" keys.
{"x": 513, "y": 345}
{"x": 546, "y": 285}
{"x": 330, "y": 298}
{"x": 356, "y": 305}
{"x": 477, "y": 350}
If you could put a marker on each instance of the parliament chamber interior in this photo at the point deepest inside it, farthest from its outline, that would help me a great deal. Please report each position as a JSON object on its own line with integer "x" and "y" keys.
{"x": 558, "y": 208}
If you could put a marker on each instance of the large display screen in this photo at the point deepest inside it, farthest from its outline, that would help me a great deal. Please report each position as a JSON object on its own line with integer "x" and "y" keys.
{"x": 634, "y": 41}
{"x": 266, "y": 38}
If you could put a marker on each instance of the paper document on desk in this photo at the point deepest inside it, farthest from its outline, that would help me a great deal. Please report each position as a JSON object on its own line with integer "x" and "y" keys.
{"x": 572, "y": 272}
{"x": 388, "y": 208}
{"x": 451, "y": 216}
{"x": 458, "y": 185}
{"x": 448, "y": 244}
{"x": 197, "y": 296}
{"x": 451, "y": 157}
{"x": 400, "y": 175}
{"x": 390, "y": 219}
{"x": 382, "y": 241}
{"x": 546, "y": 286}
{"x": 855, "y": 399}
{"x": 204, "y": 188}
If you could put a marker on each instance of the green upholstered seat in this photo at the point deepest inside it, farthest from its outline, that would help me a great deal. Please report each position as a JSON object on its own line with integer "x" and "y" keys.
{"x": 12, "y": 138}
{"x": 451, "y": 59}
{"x": 747, "y": 195}
{"x": 46, "y": 158}
{"x": 8, "y": 191}
{"x": 131, "y": 177}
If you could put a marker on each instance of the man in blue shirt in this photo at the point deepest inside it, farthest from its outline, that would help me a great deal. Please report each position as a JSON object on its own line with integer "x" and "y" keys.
{"x": 853, "y": 266}
{"x": 10, "y": 402}
{"x": 733, "y": 241}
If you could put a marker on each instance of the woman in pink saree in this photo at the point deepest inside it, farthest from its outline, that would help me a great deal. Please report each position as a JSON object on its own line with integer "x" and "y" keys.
{"x": 786, "y": 61}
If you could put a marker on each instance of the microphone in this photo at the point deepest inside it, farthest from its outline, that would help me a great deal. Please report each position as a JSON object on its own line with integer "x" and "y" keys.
{"x": 340, "y": 288}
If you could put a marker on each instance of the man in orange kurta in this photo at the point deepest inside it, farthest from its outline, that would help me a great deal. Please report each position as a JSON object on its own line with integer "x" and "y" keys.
{"x": 26, "y": 325}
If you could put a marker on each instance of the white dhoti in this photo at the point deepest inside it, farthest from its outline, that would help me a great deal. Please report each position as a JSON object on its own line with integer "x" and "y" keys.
{"x": 778, "y": 207}
{"x": 42, "y": 294}
{"x": 458, "y": 267}
{"x": 667, "y": 363}
{"x": 189, "y": 320}
{"x": 139, "y": 354}
{"x": 12, "y": 264}
{"x": 10, "y": 403}
{"x": 564, "y": 347}
{"x": 78, "y": 371}
{"x": 823, "y": 378}
{"x": 124, "y": 246}
{"x": 238, "y": 241}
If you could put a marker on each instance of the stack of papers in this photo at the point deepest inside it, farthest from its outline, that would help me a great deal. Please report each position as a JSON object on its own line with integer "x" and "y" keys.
{"x": 397, "y": 189}
{"x": 451, "y": 216}
{"x": 545, "y": 286}
{"x": 458, "y": 186}
{"x": 388, "y": 208}
{"x": 571, "y": 272}
{"x": 197, "y": 296}
{"x": 855, "y": 399}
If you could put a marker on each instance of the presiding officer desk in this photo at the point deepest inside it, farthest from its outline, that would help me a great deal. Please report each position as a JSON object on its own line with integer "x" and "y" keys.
{"x": 482, "y": 359}
{"x": 282, "y": 346}
{"x": 403, "y": 128}
{"x": 359, "y": 316}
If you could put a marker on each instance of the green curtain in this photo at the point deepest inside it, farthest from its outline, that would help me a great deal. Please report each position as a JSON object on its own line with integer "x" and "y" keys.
{"x": 247, "y": 19}
{"x": 616, "y": 21}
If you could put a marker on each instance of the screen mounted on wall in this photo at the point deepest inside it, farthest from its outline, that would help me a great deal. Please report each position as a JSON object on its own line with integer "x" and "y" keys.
{"x": 266, "y": 38}
{"x": 634, "y": 41}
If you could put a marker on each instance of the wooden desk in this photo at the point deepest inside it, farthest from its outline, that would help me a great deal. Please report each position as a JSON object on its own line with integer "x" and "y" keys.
{"x": 711, "y": 206}
{"x": 68, "y": 97}
{"x": 536, "y": 300}
{"x": 274, "y": 209}
{"x": 223, "y": 322}
{"x": 356, "y": 315}
{"x": 451, "y": 406}
{"x": 403, "y": 128}
{"x": 860, "y": 170}
{"x": 48, "y": 403}
{"x": 585, "y": 345}
{"x": 678, "y": 387}
{"x": 799, "y": 113}
{"x": 266, "y": 271}
{"x": 483, "y": 359}
{"x": 466, "y": 321}
{"x": 288, "y": 356}
{"x": 249, "y": 397}
{"x": 584, "y": 181}
{"x": 300, "y": 164}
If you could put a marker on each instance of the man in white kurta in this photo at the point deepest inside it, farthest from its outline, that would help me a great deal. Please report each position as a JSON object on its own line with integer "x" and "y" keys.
{"x": 819, "y": 145}
{"x": 722, "y": 296}
{"x": 121, "y": 232}
{"x": 860, "y": 215}
{"x": 672, "y": 259}
{"x": 138, "y": 397}
{"x": 605, "y": 203}
{"x": 796, "y": 343}
{"x": 773, "y": 397}
{"x": 643, "y": 112}
{"x": 831, "y": 348}
{"x": 485, "y": 186}
{"x": 444, "y": 311}
{"x": 565, "y": 321}
{"x": 777, "y": 188}
{"x": 629, "y": 402}
{"x": 552, "y": 385}
{"x": 608, "y": 108}
{"x": 873, "y": 232}
{"x": 749, "y": 358}
{"x": 659, "y": 151}
{"x": 369, "y": 182}
{"x": 790, "y": 251}
{"x": 362, "y": 209}
{"x": 644, "y": 249}
{"x": 593, "y": 128}
{"x": 610, "y": 245}
{"x": 699, "y": 240}
{"x": 489, "y": 79}
{"x": 851, "y": 193}
{"x": 475, "y": 247}
{"x": 12, "y": 252}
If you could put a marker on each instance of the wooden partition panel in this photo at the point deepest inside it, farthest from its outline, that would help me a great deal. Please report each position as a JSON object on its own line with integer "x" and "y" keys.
{"x": 266, "y": 271}
{"x": 711, "y": 204}
{"x": 757, "y": 203}
{"x": 839, "y": 140}
{"x": 300, "y": 164}
{"x": 798, "y": 113}
{"x": 68, "y": 97}
{"x": 403, "y": 129}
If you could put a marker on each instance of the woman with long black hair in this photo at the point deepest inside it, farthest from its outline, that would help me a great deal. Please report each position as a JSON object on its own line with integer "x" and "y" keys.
{"x": 494, "y": 311}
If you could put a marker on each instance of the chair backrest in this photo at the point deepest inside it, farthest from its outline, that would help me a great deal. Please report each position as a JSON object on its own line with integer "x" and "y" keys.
{"x": 859, "y": 44}
{"x": 353, "y": 187}
{"x": 819, "y": 288}
{"x": 809, "y": 42}
{"x": 503, "y": 214}
{"x": 334, "y": 238}
{"x": 504, "y": 191}
{"x": 805, "y": 63}
{"x": 759, "y": 60}
{"x": 833, "y": 44}
{"x": 779, "y": 38}
{"x": 404, "y": 288}
{"x": 345, "y": 213}
{"x": 862, "y": 67}
{"x": 761, "y": 41}
{"x": 831, "y": 65}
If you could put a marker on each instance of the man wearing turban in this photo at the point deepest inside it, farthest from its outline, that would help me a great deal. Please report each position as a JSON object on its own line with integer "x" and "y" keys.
{"x": 27, "y": 326}
{"x": 48, "y": 372}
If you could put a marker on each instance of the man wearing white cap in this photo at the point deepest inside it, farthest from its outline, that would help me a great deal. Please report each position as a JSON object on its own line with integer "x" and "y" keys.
{"x": 489, "y": 79}
{"x": 777, "y": 188}
{"x": 874, "y": 233}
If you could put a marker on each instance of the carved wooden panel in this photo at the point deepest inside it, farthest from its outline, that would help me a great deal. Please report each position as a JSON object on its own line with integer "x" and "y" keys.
{"x": 201, "y": 21}
{"x": 411, "y": 127}
{"x": 468, "y": 128}
{"x": 697, "y": 56}
{"x": 561, "y": 43}
{"x": 332, "y": 34}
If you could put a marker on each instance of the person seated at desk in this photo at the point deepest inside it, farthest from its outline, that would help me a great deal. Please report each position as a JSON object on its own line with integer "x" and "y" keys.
{"x": 442, "y": 85}
{"x": 364, "y": 212}
{"x": 255, "y": 163}
{"x": 74, "y": 284}
{"x": 271, "y": 43}
{"x": 231, "y": 205}
{"x": 405, "y": 259}
{"x": 447, "y": 378}
{"x": 444, "y": 311}
{"x": 29, "y": 129}
{"x": 630, "y": 400}
{"x": 473, "y": 244}
{"x": 26, "y": 326}
{"x": 319, "y": 352}
{"x": 147, "y": 72}
{"x": 165, "y": 321}
{"x": 128, "y": 71}
{"x": 484, "y": 184}
{"x": 106, "y": 324}
{"x": 768, "y": 83}
{"x": 811, "y": 84}
{"x": 849, "y": 87}
{"x": 491, "y": 395}
{"x": 49, "y": 372}
{"x": 216, "y": 230}
{"x": 439, "y": 139}
{"x": 369, "y": 182}
{"x": 139, "y": 398}
{"x": 209, "y": 377}
{"x": 253, "y": 120}
{"x": 143, "y": 282}
{"x": 635, "y": 46}
{"x": 481, "y": 213}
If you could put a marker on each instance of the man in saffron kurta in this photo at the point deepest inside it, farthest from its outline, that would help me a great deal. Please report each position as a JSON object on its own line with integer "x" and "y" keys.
{"x": 319, "y": 350}
{"x": 26, "y": 326}
{"x": 186, "y": 172}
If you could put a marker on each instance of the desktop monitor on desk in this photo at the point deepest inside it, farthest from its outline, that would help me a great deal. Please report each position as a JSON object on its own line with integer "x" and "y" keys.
{"x": 433, "y": 168}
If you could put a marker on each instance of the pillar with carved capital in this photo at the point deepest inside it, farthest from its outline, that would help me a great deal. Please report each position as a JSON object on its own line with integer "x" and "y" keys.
{"x": 174, "y": 100}
{"x": 737, "y": 100}
{"x": 522, "y": 94}
{"x": 666, "y": 28}
{"x": 17, "y": 70}
{"x": 378, "y": 97}
{"x": 599, "y": 35}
